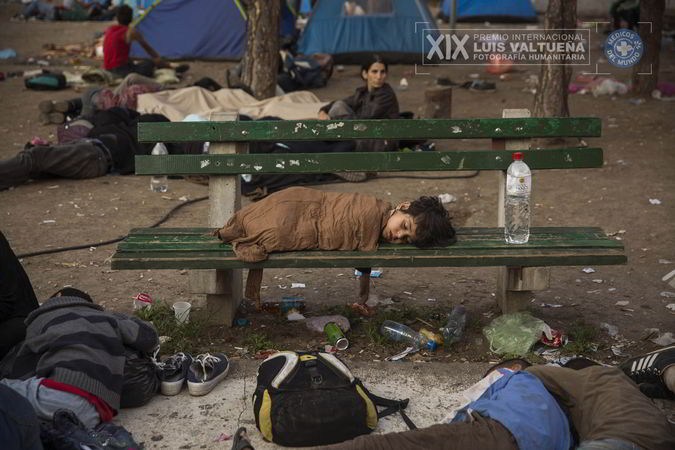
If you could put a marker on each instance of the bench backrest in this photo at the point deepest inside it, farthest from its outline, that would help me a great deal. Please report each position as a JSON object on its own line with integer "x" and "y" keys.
{"x": 320, "y": 130}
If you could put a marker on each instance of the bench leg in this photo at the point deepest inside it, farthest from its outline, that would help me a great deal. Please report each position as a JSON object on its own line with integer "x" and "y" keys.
{"x": 221, "y": 307}
{"x": 515, "y": 286}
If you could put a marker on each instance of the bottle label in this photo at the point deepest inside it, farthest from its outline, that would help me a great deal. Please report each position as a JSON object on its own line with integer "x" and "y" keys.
{"x": 519, "y": 185}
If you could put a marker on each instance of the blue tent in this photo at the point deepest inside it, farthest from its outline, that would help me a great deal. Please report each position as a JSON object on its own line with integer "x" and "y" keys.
{"x": 193, "y": 29}
{"x": 490, "y": 10}
{"x": 355, "y": 29}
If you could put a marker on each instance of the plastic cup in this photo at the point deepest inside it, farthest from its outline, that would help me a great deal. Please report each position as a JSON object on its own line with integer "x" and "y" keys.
{"x": 182, "y": 311}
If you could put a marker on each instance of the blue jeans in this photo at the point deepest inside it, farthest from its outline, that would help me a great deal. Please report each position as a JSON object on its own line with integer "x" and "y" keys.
{"x": 40, "y": 10}
{"x": 19, "y": 425}
{"x": 608, "y": 444}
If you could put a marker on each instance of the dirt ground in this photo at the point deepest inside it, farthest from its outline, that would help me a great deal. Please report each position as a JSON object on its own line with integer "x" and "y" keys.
{"x": 639, "y": 166}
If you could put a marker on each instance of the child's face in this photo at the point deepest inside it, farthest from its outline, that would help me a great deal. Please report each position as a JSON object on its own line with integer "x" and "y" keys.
{"x": 400, "y": 228}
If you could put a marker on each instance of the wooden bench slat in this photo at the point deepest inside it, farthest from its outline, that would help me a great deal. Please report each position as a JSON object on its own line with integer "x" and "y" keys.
{"x": 232, "y": 164}
{"x": 193, "y": 248}
{"x": 298, "y": 130}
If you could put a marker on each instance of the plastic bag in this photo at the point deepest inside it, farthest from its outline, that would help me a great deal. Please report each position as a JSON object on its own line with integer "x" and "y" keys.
{"x": 515, "y": 333}
{"x": 141, "y": 380}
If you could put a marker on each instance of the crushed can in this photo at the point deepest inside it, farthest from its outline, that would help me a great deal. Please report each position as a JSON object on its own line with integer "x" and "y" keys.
{"x": 335, "y": 336}
{"x": 142, "y": 300}
{"x": 558, "y": 339}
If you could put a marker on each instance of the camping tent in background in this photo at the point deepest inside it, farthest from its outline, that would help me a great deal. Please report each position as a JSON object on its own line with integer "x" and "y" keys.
{"x": 354, "y": 30}
{"x": 490, "y": 10}
{"x": 192, "y": 29}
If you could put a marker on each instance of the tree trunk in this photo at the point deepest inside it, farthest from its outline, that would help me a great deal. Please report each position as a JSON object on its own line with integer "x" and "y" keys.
{"x": 261, "y": 61}
{"x": 551, "y": 97}
{"x": 650, "y": 33}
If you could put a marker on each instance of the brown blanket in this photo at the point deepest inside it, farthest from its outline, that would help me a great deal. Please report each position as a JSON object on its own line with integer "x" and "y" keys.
{"x": 300, "y": 218}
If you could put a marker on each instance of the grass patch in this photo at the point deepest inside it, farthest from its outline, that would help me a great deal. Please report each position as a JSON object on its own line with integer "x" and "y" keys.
{"x": 256, "y": 342}
{"x": 183, "y": 337}
{"x": 581, "y": 337}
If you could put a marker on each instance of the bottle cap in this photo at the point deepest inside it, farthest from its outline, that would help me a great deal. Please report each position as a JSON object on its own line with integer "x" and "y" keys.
{"x": 432, "y": 345}
{"x": 517, "y": 156}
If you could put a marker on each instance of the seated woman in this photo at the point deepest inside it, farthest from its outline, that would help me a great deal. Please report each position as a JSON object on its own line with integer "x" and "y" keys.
{"x": 375, "y": 100}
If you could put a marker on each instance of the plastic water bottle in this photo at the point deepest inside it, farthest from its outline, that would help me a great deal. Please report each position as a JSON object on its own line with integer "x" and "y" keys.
{"x": 159, "y": 183}
{"x": 402, "y": 333}
{"x": 517, "y": 204}
{"x": 453, "y": 330}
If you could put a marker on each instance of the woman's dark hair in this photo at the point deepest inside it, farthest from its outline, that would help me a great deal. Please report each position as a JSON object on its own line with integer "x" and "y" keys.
{"x": 124, "y": 15}
{"x": 508, "y": 363}
{"x": 433, "y": 223}
{"x": 373, "y": 60}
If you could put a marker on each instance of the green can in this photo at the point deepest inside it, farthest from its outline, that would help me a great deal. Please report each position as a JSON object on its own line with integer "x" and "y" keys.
{"x": 335, "y": 336}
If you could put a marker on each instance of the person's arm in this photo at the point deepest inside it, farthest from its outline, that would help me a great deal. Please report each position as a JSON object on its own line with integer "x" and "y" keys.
{"x": 135, "y": 35}
{"x": 136, "y": 333}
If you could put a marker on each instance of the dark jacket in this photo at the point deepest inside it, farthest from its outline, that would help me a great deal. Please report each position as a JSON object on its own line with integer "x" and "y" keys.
{"x": 17, "y": 298}
{"x": 379, "y": 103}
{"x": 75, "y": 342}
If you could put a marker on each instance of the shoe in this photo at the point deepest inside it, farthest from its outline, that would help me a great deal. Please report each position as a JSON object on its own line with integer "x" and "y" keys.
{"x": 352, "y": 177}
{"x": 173, "y": 373}
{"x": 206, "y": 371}
{"x": 240, "y": 440}
{"x": 649, "y": 367}
{"x": 48, "y": 106}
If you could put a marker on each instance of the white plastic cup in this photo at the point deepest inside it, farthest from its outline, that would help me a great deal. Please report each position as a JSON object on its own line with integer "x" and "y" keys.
{"x": 182, "y": 311}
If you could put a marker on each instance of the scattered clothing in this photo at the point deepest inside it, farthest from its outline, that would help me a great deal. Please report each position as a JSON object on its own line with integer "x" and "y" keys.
{"x": 19, "y": 426}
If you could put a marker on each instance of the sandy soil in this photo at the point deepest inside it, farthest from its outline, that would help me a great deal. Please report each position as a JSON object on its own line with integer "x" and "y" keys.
{"x": 639, "y": 166}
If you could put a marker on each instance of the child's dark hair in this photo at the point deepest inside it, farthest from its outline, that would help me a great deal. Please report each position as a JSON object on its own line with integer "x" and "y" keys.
{"x": 508, "y": 363}
{"x": 124, "y": 15}
{"x": 72, "y": 292}
{"x": 433, "y": 223}
{"x": 373, "y": 60}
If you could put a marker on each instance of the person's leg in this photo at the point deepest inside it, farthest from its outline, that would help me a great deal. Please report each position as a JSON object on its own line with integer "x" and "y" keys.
{"x": 80, "y": 159}
{"x": 19, "y": 425}
{"x": 46, "y": 401}
{"x": 135, "y": 79}
{"x": 12, "y": 331}
{"x": 481, "y": 433}
{"x": 17, "y": 298}
{"x": 89, "y": 102}
{"x": 339, "y": 110}
{"x": 145, "y": 68}
{"x": 608, "y": 444}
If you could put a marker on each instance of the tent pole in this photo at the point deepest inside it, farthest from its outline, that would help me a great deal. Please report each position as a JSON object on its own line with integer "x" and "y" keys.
{"x": 453, "y": 16}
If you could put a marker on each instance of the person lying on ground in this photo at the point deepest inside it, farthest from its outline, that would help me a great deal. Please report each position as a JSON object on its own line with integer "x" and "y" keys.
{"x": 508, "y": 409}
{"x": 17, "y": 298}
{"x": 92, "y": 100}
{"x": 117, "y": 45}
{"x": 108, "y": 145}
{"x": 73, "y": 357}
{"x": 299, "y": 218}
{"x": 604, "y": 410}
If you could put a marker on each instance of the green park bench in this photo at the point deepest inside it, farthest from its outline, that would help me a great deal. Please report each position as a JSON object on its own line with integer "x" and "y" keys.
{"x": 215, "y": 271}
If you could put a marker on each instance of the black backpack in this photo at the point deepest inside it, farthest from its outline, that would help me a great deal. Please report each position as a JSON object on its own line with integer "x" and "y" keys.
{"x": 312, "y": 398}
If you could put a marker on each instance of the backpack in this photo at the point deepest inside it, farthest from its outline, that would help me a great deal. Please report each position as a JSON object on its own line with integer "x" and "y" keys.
{"x": 46, "y": 81}
{"x": 312, "y": 398}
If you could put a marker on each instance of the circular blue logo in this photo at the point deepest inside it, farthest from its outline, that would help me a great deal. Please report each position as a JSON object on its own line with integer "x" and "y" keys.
{"x": 623, "y": 48}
